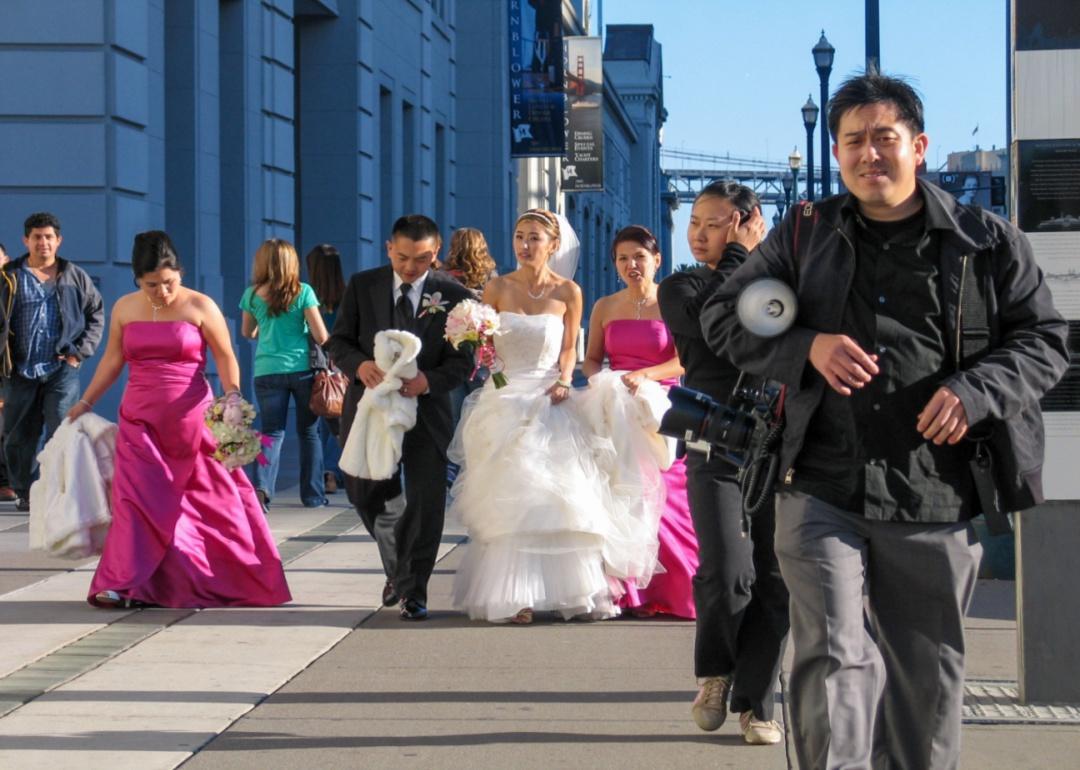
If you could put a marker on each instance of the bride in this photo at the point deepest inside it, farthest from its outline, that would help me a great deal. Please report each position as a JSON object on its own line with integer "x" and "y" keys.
{"x": 532, "y": 493}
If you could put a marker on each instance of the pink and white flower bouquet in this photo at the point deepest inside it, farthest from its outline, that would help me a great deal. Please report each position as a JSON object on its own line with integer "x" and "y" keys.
{"x": 229, "y": 419}
{"x": 475, "y": 324}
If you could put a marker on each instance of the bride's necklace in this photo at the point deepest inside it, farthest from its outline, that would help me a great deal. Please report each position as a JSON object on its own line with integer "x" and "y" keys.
{"x": 543, "y": 291}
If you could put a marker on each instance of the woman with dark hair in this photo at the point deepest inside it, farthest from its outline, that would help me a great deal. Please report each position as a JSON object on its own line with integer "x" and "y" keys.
{"x": 626, "y": 329}
{"x": 328, "y": 283}
{"x": 186, "y": 531}
{"x": 279, "y": 312}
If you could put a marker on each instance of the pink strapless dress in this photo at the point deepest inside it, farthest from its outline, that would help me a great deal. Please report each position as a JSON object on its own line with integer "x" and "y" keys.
{"x": 186, "y": 531}
{"x": 630, "y": 345}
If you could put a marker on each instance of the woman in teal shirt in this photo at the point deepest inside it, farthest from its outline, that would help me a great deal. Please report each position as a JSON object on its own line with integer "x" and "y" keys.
{"x": 279, "y": 311}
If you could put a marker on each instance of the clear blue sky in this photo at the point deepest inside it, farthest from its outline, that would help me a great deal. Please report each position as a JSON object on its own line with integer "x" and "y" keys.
{"x": 737, "y": 73}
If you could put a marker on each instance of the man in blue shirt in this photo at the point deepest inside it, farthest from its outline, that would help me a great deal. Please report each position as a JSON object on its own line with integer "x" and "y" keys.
{"x": 53, "y": 318}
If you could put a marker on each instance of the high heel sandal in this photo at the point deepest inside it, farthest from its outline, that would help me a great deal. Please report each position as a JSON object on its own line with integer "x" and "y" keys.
{"x": 523, "y": 618}
{"x": 111, "y": 600}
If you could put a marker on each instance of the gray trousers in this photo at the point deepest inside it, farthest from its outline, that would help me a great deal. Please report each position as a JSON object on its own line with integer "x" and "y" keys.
{"x": 875, "y": 682}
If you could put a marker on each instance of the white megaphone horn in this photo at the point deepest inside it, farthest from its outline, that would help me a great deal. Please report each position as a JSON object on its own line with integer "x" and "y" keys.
{"x": 767, "y": 307}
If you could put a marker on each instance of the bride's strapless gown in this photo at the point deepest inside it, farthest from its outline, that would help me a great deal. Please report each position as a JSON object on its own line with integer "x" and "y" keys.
{"x": 186, "y": 532}
{"x": 530, "y": 493}
{"x": 630, "y": 345}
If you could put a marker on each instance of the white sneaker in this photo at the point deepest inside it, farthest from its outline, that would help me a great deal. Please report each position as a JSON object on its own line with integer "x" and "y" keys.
{"x": 710, "y": 705}
{"x": 757, "y": 732}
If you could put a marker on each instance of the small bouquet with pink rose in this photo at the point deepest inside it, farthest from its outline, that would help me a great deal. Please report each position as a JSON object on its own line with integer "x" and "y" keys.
{"x": 229, "y": 419}
{"x": 475, "y": 324}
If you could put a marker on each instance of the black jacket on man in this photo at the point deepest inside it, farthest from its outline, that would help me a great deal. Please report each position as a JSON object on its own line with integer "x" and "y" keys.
{"x": 1028, "y": 349}
{"x": 366, "y": 308}
{"x": 82, "y": 311}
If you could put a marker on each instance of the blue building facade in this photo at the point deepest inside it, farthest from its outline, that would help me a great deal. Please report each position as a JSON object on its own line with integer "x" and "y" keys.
{"x": 226, "y": 122}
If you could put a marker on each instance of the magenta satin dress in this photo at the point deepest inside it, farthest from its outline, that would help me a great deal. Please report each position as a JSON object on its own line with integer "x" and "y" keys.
{"x": 186, "y": 531}
{"x": 632, "y": 344}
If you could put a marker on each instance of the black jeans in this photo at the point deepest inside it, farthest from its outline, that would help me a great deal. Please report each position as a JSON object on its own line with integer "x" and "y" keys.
{"x": 740, "y": 597}
{"x": 30, "y": 406}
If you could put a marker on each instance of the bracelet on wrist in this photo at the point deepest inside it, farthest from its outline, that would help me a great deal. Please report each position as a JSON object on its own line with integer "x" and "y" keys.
{"x": 563, "y": 384}
{"x": 85, "y": 403}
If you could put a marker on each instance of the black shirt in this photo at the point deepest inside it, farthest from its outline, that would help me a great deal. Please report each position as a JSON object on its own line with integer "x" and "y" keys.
{"x": 862, "y": 452}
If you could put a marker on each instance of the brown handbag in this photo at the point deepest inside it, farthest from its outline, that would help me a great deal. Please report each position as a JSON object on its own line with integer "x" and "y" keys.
{"x": 328, "y": 392}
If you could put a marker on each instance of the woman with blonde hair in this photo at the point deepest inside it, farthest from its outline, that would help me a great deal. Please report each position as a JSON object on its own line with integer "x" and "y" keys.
{"x": 468, "y": 260}
{"x": 469, "y": 263}
{"x": 280, "y": 311}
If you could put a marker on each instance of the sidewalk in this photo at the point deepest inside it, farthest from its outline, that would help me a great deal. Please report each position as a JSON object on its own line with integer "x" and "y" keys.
{"x": 331, "y": 681}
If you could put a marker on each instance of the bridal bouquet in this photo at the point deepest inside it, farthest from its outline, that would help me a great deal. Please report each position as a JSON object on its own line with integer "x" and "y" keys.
{"x": 475, "y": 324}
{"x": 229, "y": 419}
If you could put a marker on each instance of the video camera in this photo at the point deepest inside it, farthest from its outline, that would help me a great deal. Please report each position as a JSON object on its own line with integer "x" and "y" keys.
{"x": 747, "y": 430}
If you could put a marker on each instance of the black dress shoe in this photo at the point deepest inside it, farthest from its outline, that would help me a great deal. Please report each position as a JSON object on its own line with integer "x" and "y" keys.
{"x": 413, "y": 609}
{"x": 22, "y": 504}
{"x": 389, "y": 597}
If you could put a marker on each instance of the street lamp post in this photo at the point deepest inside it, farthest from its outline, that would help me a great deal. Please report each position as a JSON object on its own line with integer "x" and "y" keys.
{"x": 823, "y": 61}
{"x": 809, "y": 119}
{"x": 791, "y": 185}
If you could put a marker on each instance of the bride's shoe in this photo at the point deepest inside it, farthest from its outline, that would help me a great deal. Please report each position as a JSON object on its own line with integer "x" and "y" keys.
{"x": 523, "y": 618}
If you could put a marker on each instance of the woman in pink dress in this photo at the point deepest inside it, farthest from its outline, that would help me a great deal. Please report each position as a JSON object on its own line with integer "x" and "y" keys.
{"x": 625, "y": 328}
{"x": 186, "y": 531}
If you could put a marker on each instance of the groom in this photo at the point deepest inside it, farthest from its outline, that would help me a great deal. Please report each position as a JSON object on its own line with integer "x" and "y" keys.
{"x": 408, "y": 294}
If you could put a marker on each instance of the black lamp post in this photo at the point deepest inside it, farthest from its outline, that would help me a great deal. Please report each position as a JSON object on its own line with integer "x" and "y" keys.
{"x": 809, "y": 119}
{"x": 823, "y": 60}
{"x": 791, "y": 182}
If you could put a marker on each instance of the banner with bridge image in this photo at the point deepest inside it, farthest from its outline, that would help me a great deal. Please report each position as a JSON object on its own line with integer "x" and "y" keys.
{"x": 537, "y": 101}
{"x": 583, "y": 165}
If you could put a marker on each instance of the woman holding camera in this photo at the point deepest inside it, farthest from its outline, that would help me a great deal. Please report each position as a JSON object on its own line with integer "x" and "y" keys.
{"x": 741, "y": 601}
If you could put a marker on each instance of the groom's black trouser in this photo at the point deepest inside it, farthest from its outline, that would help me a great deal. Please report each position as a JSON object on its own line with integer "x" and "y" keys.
{"x": 408, "y": 542}
{"x": 739, "y": 595}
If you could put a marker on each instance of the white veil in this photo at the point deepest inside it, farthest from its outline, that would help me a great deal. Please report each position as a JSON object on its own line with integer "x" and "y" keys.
{"x": 564, "y": 261}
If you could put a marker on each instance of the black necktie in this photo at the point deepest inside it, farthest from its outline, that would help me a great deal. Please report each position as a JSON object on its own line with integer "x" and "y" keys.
{"x": 403, "y": 309}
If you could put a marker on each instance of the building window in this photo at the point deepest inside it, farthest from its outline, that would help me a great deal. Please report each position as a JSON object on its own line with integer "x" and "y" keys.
{"x": 408, "y": 158}
{"x": 386, "y": 159}
{"x": 440, "y": 176}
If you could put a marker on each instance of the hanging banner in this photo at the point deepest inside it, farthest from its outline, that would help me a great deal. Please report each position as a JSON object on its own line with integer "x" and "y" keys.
{"x": 583, "y": 165}
{"x": 537, "y": 101}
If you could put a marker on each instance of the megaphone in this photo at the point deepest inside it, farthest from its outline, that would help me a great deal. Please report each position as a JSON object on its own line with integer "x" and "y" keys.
{"x": 767, "y": 307}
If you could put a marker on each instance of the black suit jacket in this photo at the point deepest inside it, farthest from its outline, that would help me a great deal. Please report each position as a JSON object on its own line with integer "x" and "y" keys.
{"x": 367, "y": 308}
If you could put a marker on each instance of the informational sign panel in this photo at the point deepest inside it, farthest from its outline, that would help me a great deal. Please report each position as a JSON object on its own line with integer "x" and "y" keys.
{"x": 537, "y": 101}
{"x": 1048, "y": 185}
{"x": 583, "y": 166}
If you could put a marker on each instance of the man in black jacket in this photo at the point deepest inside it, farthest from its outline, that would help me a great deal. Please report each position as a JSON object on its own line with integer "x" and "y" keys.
{"x": 739, "y": 596}
{"x": 53, "y": 318}
{"x": 406, "y": 294}
{"x": 877, "y": 486}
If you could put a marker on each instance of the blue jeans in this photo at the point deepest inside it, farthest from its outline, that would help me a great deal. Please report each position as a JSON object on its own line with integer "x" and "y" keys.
{"x": 30, "y": 406}
{"x": 272, "y": 392}
{"x": 331, "y": 450}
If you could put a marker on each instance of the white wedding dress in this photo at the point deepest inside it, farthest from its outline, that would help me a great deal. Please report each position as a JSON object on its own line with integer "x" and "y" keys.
{"x": 535, "y": 494}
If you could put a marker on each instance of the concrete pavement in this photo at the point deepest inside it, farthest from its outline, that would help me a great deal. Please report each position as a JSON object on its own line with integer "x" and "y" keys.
{"x": 332, "y": 681}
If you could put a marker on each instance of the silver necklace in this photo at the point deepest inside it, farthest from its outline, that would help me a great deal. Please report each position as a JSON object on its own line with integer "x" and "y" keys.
{"x": 638, "y": 305}
{"x": 543, "y": 291}
{"x": 154, "y": 308}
